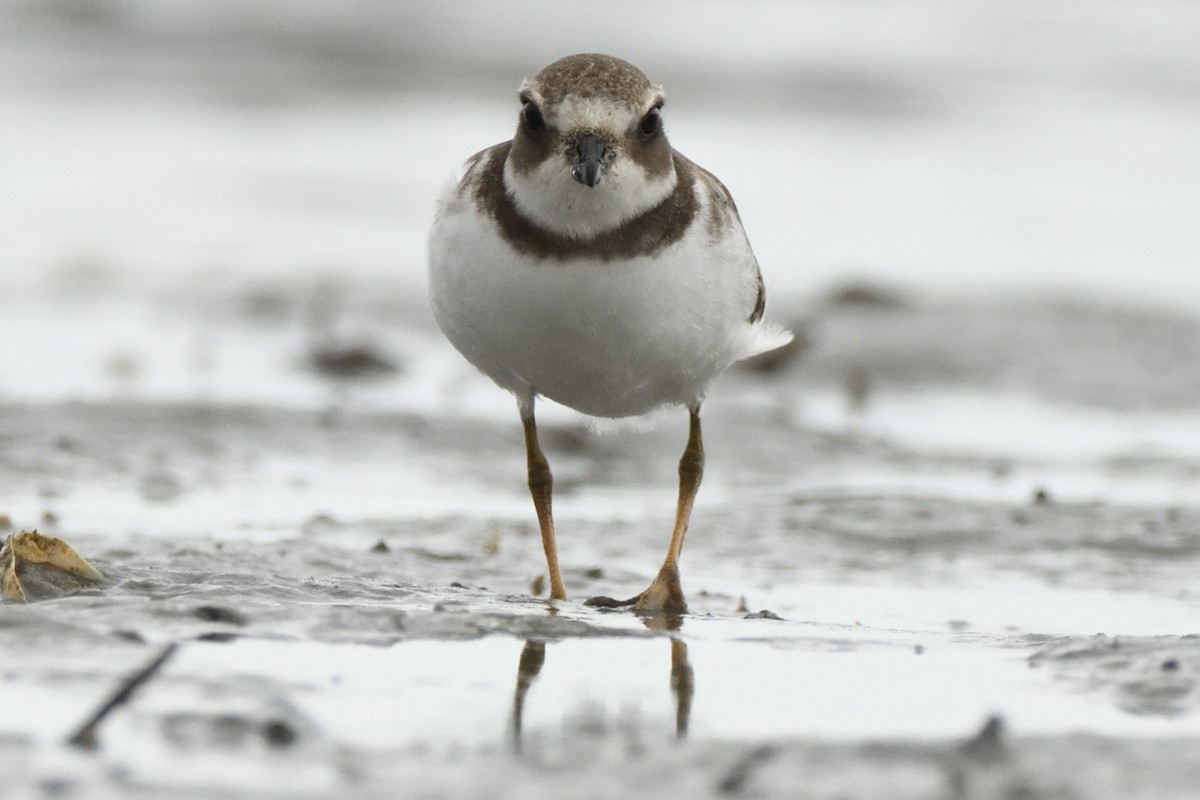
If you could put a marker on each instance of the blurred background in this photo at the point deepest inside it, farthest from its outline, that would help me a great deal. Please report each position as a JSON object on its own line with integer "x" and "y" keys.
{"x": 1024, "y": 145}
{"x": 228, "y": 199}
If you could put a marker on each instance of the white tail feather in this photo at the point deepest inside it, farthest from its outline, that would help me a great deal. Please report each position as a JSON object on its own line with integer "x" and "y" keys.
{"x": 763, "y": 338}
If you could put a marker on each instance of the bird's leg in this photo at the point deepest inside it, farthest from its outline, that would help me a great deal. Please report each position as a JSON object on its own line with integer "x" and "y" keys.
{"x": 541, "y": 485}
{"x": 665, "y": 594}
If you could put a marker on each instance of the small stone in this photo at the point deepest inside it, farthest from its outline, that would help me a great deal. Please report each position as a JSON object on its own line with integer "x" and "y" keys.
{"x": 279, "y": 733}
{"x": 1170, "y": 665}
{"x": 764, "y": 614}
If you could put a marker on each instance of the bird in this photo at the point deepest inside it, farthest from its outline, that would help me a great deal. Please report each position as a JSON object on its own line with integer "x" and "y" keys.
{"x": 588, "y": 262}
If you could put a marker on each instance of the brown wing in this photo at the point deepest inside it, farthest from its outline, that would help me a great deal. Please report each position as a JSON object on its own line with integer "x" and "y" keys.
{"x": 760, "y": 302}
{"x": 721, "y": 209}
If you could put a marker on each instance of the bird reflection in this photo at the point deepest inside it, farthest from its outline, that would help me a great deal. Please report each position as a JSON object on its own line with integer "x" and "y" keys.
{"x": 683, "y": 686}
{"x": 533, "y": 657}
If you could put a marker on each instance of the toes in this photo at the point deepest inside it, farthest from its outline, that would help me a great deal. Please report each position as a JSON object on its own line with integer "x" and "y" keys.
{"x": 601, "y": 601}
{"x": 663, "y": 596}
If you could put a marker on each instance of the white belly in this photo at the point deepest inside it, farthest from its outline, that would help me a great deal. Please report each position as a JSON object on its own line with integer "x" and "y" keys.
{"x": 610, "y": 339}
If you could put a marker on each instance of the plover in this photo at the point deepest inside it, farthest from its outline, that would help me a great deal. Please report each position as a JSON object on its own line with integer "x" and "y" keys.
{"x": 588, "y": 262}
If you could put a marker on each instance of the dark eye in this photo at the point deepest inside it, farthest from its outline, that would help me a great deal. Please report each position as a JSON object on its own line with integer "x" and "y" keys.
{"x": 651, "y": 124}
{"x": 532, "y": 117}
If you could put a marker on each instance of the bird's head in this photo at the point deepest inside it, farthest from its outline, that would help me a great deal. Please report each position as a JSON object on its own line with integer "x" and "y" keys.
{"x": 589, "y": 152}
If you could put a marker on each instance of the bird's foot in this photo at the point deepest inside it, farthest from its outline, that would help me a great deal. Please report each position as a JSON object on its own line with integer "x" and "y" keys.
{"x": 663, "y": 596}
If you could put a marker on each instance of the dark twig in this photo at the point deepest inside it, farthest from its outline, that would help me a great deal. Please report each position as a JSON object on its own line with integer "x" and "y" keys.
{"x": 85, "y": 737}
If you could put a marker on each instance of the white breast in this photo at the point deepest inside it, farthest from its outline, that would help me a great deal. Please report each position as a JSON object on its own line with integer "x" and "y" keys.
{"x": 610, "y": 339}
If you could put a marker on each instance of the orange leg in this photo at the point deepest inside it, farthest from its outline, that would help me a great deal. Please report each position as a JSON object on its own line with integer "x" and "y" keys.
{"x": 665, "y": 594}
{"x": 541, "y": 486}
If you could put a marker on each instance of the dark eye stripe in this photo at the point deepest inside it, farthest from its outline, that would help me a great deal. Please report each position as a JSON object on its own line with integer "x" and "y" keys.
{"x": 651, "y": 123}
{"x": 531, "y": 115}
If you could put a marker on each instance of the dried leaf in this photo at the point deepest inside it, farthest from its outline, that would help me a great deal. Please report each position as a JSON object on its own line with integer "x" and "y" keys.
{"x": 36, "y": 548}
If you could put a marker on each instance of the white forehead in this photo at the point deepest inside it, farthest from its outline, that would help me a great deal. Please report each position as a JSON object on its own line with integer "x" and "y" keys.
{"x": 590, "y": 113}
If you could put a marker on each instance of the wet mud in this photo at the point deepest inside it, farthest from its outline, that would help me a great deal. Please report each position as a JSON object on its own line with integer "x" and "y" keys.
{"x": 843, "y": 642}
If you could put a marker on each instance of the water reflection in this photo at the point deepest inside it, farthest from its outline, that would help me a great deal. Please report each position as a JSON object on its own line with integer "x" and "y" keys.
{"x": 683, "y": 685}
{"x": 533, "y": 657}
{"x": 660, "y": 620}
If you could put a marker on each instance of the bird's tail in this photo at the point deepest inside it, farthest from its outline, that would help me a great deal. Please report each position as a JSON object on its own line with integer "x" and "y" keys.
{"x": 764, "y": 337}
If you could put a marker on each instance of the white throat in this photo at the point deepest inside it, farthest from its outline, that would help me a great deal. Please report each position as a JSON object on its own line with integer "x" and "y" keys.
{"x": 549, "y": 197}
